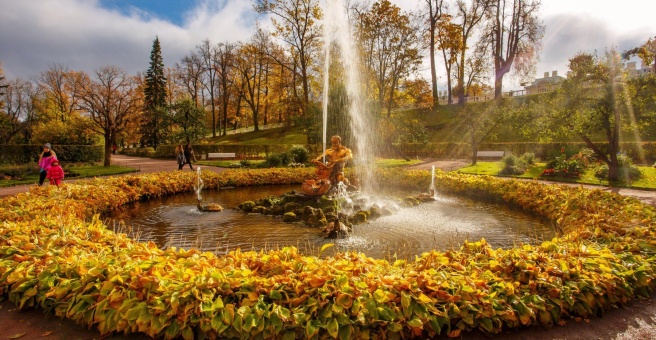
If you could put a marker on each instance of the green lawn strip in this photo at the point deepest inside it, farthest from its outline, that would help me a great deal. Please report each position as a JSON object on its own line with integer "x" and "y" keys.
{"x": 387, "y": 163}
{"x": 281, "y": 135}
{"x": 648, "y": 180}
{"x": 80, "y": 171}
{"x": 230, "y": 164}
{"x": 482, "y": 168}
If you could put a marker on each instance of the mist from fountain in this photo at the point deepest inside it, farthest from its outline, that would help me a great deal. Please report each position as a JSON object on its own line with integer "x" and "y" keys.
{"x": 337, "y": 31}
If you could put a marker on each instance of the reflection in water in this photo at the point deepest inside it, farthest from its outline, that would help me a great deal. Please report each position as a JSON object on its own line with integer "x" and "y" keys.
{"x": 445, "y": 223}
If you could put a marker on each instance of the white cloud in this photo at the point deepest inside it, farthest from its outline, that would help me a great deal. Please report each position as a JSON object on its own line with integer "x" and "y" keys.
{"x": 83, "y": 36}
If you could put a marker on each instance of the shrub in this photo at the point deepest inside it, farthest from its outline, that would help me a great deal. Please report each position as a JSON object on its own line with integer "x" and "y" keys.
{"x": 298, "y": 154}
{"x": 627, "y": 171}
{"x": 245, "y": 163}
{"x": 513, "y": 165}
{"x": 272, "y": 160}
{"x": 529, "y": 158}
{"x": 562, "y": 166}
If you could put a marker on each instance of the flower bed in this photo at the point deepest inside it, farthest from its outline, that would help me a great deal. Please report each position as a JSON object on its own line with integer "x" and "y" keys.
{"x": 56, "y": 255}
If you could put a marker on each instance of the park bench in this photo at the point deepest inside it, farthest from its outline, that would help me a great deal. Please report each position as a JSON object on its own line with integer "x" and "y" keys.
{"x": 490, "y": 154}
{"x": 211, "y": 155}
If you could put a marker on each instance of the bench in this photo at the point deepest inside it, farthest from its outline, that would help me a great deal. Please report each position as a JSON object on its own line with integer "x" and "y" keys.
{"x": 490, "y": 154}
{"x": 221, "y": 155}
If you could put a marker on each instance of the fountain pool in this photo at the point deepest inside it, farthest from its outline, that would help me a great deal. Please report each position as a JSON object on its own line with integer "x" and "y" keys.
{"x": 441, "y": 224}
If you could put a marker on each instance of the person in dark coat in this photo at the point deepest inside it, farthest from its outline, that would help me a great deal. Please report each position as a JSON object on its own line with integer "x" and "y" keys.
{"x": 189, "y": 154}
{"x": 180, "y": 157}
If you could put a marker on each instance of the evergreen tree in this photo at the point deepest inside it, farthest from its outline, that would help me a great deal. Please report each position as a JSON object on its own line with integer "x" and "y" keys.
{"x": 152, "y": 130}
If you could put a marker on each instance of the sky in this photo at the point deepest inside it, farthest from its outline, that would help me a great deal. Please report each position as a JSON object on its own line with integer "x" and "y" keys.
{"x": 88, "y": 34}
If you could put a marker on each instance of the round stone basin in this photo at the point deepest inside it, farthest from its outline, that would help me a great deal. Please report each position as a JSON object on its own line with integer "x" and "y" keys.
{"x": 443, "y": 224}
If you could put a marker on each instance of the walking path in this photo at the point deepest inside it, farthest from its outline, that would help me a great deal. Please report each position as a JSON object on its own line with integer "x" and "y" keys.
{"x": 143, "y": 165}
{"x": 635, "y": 320}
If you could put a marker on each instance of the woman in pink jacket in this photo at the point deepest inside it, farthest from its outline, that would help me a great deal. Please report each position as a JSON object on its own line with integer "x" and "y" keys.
{"x": 45, "y": 161}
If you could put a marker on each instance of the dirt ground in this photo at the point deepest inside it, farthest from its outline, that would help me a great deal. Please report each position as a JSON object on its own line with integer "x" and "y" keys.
{"x": 636, "y": 320}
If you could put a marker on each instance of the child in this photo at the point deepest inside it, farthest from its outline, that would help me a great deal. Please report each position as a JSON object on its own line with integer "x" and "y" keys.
{"x": 55, "y": 173}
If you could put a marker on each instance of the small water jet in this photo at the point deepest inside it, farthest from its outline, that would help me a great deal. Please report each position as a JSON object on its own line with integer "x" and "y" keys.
{"x": 199, "y": 198}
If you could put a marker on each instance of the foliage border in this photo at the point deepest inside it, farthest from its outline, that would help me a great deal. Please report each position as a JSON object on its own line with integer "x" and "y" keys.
{"x": 68, "y": 262}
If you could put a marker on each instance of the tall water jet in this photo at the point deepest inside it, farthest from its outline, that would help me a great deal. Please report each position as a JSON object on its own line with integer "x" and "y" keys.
{"x": 337, "y": 32}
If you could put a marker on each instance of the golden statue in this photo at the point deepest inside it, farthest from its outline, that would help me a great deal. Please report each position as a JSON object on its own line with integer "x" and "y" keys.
{"x": 330, "y": 173}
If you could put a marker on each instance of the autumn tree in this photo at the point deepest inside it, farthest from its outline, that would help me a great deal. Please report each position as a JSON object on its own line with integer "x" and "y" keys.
{"x": 449, "y": 42}
{"x": 189, "y": 75}
{"x": 435, "y": 13}
{"x": 58, "y": 118}
{"x": 390, "y": 48}
{"x": 110, "y": 100}
{"x": 469, "y": 17}
{"x": 155, "y": 95}
{"x": 296, "y": 22}
{"x": 207, "y": 55}
{"x": 16, "y": 110}
{"x": 514, "y": 37}
{"x": 225, "y": 67}
{"x": 646, "y": 52}
{"x": 593, "y": 101}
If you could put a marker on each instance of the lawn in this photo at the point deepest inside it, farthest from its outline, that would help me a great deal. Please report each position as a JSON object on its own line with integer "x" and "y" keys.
{"x": 73, "y": 172}
{"x": 282, "y": 135}
{"x": 231, "y": 164}
{"x": 648, "y": 180}
{"x": 387, "y": 163}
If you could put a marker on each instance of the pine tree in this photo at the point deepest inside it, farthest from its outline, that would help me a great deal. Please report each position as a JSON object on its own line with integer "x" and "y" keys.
{"x": 152, "y": 129}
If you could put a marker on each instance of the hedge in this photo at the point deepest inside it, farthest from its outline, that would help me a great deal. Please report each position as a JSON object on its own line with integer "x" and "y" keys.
{"x": 29, "y": 153}
{"x": 640, "y": 152}
{"x": 241, "y": 151}
{"x": 76, "y": 267}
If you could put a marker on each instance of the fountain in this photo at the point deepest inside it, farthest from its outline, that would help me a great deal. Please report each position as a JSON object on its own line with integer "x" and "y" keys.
{"x": 199, "y": 198}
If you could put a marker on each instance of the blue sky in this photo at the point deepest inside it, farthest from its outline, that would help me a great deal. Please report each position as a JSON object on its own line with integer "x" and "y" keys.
{"x": 170, "y": 10}
{"x": 88, "y": 34}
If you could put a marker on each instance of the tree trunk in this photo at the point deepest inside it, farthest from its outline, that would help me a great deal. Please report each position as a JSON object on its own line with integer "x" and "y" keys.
{"x": 474, "y": 148}
{"x": 108, "y": 150}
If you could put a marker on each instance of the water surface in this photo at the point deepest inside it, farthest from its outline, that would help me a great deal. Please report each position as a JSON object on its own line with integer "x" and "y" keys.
{"x": 442, "y": 224}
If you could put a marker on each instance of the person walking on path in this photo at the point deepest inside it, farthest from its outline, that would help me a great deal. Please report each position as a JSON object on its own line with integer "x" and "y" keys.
{"x": 189, "y": 154}
{"x": 55, "y": 173}
{"x": 180, "y": 156}
{"x": 45, "y": 161}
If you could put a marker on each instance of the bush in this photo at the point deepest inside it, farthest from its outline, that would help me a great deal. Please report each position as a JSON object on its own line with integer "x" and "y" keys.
{"x": 18, "y": 171}
{"x": 513, "y": 165}
{"x": 298, "y": 154}
{"x": 529, "y": 158}
{"x": 273, "y": 160}
{"x": 562, "y": 166}
{"x": 245, "y": 163}
{"x": 627, "y": 171}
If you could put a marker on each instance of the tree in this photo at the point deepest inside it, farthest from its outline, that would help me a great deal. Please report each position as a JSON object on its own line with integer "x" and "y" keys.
{"x": 208, "y": 58}
{"x": 470, "y": 18}
{"x": 187, "y": 120}
{"x": 155, "y": 95}
{"x": 17, "y": 110}
{"x": 479, "y": 122}
{"x": 515, "y": 32}
{"x": 226, "y": 74}
{"x": 449, "y": 41}
{"x": 646, "y": 52}
{"x": 111, "y": 101}
{"x": 296, "y": 23}
{"x": 592, "y": 102}
{"x": 435, "y": 12}
{"x": 391, "y": 48}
